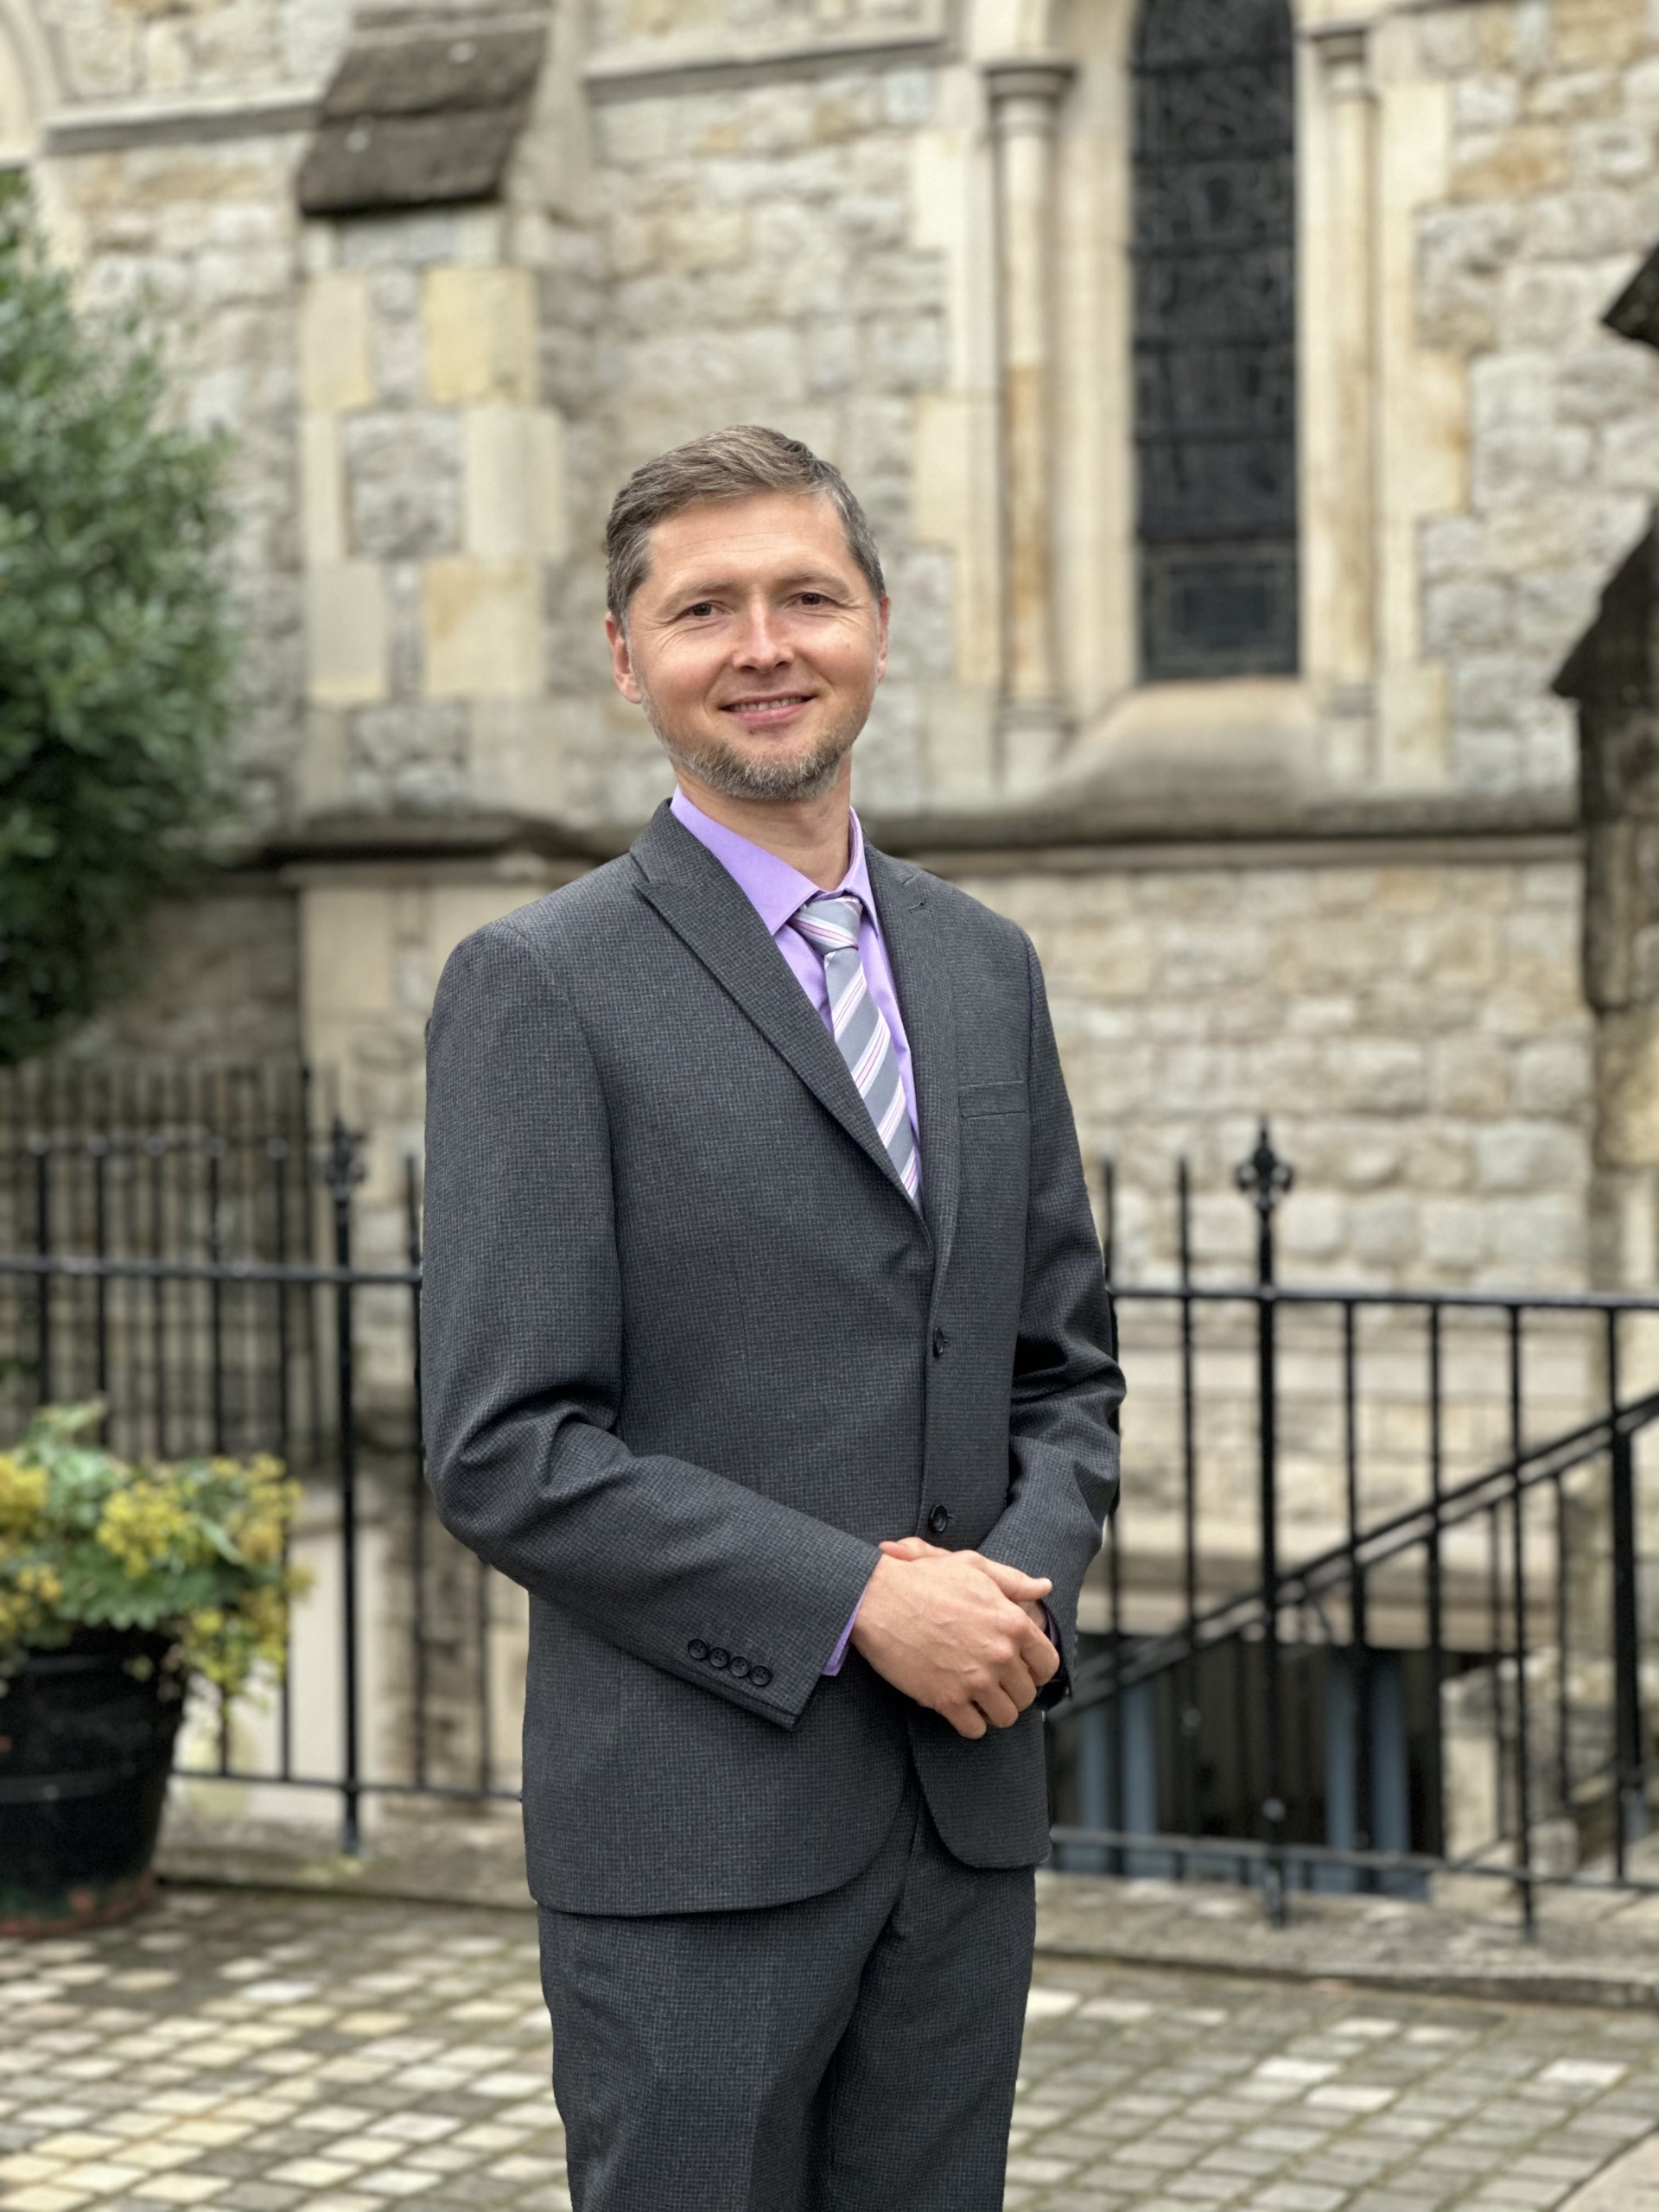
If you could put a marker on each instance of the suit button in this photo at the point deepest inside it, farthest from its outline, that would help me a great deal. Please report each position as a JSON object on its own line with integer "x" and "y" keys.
{"x": 740, "y": 1664}
{"x": 939, "y": 1520}
{"x": 760, "y": 1676}
{"x": 697, "y": 1648}
{"x": 940, "y": 1340}
{"x": 719, "y": 1658}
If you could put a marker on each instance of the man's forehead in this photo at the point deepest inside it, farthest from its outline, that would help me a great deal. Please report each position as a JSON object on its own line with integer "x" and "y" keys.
{"x": 771, "y": 529}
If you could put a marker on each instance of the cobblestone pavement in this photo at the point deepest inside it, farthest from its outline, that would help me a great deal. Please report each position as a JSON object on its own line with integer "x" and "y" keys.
{"x": 261, "y": 2052}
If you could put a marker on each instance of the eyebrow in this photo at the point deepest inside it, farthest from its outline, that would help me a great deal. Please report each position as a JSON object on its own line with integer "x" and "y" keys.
{"x": 713, "y": 588}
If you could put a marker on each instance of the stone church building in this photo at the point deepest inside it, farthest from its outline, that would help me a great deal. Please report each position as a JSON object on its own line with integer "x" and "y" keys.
{"x": 1229, "y": 389}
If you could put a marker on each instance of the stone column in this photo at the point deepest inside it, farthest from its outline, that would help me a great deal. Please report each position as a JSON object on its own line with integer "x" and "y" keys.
{"x": 1025, "y": 97}
{"x": 1345, "y": 482}
{"x": 1613, "y": 675}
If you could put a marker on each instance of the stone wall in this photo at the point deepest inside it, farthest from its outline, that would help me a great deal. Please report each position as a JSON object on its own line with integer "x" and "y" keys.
{"x": 1414, "y": 1028}
{"x": 1551, "y": 201}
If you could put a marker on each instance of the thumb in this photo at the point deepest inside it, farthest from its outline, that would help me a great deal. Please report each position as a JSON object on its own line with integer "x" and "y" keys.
{"x": 1022, "y": 1588}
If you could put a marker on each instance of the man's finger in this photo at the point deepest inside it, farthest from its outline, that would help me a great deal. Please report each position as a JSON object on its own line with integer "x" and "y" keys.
{"x": 998, "y": 1708}
{"x": 1010, "y": 1580}
{"x": 907, "y": 1547}
{"x": 1038, "y": 1656}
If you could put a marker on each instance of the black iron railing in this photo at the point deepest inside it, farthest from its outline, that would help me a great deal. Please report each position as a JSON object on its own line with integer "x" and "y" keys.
{"x": 1371, "y": 1608}
{"x": 1549, "y": 1643}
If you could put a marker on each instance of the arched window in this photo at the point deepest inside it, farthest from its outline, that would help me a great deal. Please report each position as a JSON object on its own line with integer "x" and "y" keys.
{"x": 1215, "y": 337}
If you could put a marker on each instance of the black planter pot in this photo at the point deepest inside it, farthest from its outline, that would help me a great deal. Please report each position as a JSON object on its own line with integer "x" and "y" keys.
{"x": 85, "y": 1751}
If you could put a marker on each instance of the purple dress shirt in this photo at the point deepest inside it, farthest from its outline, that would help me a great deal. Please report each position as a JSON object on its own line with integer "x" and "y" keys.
{"x": 778, "y": 892}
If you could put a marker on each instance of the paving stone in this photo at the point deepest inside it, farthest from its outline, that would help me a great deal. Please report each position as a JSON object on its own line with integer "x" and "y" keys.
{"x": 266, "y": 2069}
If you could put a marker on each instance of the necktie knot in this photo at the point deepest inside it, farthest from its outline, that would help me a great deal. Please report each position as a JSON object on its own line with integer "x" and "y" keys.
{"x": 830, "y": 924}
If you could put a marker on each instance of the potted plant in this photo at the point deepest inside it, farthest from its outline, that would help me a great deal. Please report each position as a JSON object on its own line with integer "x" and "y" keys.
{"x": 118, "y": 1582}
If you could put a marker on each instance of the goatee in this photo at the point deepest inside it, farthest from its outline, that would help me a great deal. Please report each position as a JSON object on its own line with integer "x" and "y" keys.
{"x": 775, "y": 777}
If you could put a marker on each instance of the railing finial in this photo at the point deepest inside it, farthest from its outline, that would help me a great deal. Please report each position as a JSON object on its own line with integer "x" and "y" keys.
{"x": 1264, "y": 1178}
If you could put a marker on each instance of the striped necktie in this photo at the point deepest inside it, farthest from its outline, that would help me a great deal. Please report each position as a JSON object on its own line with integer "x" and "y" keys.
{"x": 830, "y": 927}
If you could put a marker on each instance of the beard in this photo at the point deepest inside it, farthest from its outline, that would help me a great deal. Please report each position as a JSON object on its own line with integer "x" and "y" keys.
{"x": 736, "y": 774}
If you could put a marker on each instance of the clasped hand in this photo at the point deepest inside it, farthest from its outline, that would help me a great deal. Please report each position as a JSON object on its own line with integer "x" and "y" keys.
{"x": 958, "y": 1632}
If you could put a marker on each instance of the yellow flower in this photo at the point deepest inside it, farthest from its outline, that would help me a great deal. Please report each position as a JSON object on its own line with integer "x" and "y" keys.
{"x": 22, "y": 1496}
{"x": 40, "y": 1582}
{"x": 147, "y": 1524}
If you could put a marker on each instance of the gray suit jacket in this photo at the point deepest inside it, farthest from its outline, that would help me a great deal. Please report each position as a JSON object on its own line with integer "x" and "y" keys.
{"x": 689, "y": 1352}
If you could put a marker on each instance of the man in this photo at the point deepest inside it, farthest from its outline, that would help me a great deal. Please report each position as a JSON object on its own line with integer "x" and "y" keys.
{"x": 765, "y": 1343}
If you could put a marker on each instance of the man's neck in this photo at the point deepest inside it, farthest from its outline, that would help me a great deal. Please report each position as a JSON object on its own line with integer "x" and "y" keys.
{"x": 813, "y": 834}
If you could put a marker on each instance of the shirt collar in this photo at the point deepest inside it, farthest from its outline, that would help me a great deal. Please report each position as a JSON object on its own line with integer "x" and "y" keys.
{"x": 772, "y": 887}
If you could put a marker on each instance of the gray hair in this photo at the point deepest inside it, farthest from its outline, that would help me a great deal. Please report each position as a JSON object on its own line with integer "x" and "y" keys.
{"x": 732, "y": 464}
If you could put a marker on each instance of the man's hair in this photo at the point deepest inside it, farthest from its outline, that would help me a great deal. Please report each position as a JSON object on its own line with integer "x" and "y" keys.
{"x": 731, "y": 464}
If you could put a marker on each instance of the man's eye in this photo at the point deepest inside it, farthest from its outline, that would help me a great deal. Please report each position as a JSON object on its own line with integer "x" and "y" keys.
{"x": 815, "y": 599}
{"x": 701, "y": 607}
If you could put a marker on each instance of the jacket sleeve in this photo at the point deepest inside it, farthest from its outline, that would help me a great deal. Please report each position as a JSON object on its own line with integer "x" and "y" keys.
{"x": 521, "y": 1368}
{"x": 1067, "y": 1385}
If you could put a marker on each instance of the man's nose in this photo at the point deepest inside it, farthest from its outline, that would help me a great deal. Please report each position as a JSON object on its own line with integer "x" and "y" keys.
{"x": 763, "y": 642}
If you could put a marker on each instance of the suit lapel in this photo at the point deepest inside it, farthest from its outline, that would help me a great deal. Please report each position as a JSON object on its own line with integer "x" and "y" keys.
{"x": 704, "y": 908}
{"x": 921, "y": 970}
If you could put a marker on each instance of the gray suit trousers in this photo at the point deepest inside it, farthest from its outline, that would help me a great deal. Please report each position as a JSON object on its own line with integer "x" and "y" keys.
{"x": 855, "y": 2051}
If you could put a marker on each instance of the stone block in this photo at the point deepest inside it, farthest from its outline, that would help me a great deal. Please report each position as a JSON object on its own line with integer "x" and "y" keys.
{"x": 481, "y": 335}
{"x": 346, "y": 634}
{"x": 322, "y": 502}
{"x": 402, "y": 483}
{"x": 1454, "y": 1234}
{"x": 1488, "y": 687}
{"x": 1626, "y": 1083}
{"x": 1630, "y": 454}
{"x": 1590, "y": 219}
{"x": 1384, "y": 1230}
{"x": 1618, "y": 152}
{"x": 1587, "y": 34}
{"x": 1527, "y": 1156}
{"x": 1639, "y": 86}
{"x": 1553, "y": 308}
{"x": 335, "y": 373}
{"x": 1568, "y": 95}
{"x": 1512, "y": 390}
{"x": 1462, "y": 253}
{"x": 1471, "y": 1078}
{"x": 1510, "y": 165}
{"x": 1467, "y": 610}
{"x": 346, "y": 951}
{"x": 1480, "y": 103}
{"x": 395, "y": 337}
{"x": 1609, "y": 378}
{"x": 1553, "y": 1076}
{"x": 483, "y": 628}
{"x": 516, "y": 503}
{"x": 400, "y": 241}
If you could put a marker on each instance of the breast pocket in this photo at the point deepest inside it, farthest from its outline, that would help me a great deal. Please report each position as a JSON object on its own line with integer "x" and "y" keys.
{"x": 977, "y": 1101}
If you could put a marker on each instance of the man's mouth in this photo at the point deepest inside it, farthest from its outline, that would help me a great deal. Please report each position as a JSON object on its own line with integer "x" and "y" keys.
{"x": 767, "y": 707}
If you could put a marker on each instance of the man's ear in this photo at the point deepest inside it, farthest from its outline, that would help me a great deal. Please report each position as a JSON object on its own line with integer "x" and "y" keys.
{"x": 622, "y": 673}
{"x": 883, "y": 609}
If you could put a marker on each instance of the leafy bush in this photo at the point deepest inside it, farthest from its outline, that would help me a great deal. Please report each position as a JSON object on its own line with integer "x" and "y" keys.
{"x": 196, "y": 1550}
{"x": 115, "y": 692}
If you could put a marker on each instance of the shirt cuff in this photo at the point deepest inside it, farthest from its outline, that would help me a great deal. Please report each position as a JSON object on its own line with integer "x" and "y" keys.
{"x": 832, "y": 1664}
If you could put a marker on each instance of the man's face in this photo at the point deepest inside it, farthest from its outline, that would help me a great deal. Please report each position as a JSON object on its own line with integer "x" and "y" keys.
{"x": 754, "y": 644}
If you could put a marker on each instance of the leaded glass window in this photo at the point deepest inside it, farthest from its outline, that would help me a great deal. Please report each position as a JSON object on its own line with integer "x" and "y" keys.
{"x": 1215, "y": 337}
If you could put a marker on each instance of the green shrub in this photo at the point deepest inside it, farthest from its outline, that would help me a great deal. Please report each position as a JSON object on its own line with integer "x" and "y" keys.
{"x": 195, "y": 1550}
{"x": 115, "y": 665}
